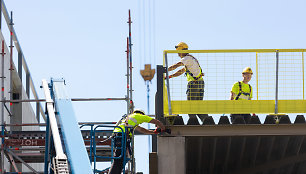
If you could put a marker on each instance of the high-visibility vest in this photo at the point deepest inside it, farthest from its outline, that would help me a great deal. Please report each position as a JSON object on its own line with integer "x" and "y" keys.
{"x": 243, "y": 95}
{"x": 132, "y": 121}
{"x": 190, "y": 76}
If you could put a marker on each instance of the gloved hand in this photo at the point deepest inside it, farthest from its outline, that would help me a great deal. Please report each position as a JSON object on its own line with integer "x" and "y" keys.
{"x": 170, "y": 76}
{"x": 159, "y": 130}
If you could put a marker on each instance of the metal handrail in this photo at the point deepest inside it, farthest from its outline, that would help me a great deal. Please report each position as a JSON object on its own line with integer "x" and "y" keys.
{"x": 93, "y": 130}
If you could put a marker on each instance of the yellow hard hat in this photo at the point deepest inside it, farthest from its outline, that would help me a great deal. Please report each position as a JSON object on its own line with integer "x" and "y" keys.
{"x": 140, "y": 111}
{"x": 181, "y": 46}
{"x": 247, "y": 70}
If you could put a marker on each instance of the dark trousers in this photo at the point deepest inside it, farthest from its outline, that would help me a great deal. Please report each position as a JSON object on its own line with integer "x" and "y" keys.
{"x": 246, "y": 117}
{"x": 195, "y": 91}
{"x": 117, "y": 164}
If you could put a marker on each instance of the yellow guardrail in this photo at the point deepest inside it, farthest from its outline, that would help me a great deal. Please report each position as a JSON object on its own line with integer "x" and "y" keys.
{"x": 235, "y": 106}
{"x": 222, "y": 68}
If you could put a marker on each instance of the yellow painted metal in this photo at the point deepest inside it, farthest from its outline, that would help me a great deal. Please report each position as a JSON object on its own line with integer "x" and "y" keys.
{"x": 279, "y": 114}
{"x": 241, "y": 106}
{"x": 303, "y": 75}
{"x": 235, "y": 106}
{"x": 292, "y": 106}
{"x": 164, "y": 63}
{"x": 257, "y": 74}
{"x": 235, "y": 51}
{"x": 221, "y": 106}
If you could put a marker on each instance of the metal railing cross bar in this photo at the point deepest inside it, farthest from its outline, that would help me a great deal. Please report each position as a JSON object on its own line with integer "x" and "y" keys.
{"x": 73, "y": 99}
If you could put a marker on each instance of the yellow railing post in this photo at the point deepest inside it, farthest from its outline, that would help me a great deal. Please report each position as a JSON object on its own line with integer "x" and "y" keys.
{"x": 257, "y": 74}
{"x": 303, "y": 75}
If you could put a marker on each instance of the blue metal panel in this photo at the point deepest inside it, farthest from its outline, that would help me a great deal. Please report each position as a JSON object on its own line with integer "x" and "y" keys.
{"x": 73, "y": 140}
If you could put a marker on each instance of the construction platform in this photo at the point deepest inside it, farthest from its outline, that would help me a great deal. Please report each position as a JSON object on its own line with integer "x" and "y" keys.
{"x": 225, "y": 148}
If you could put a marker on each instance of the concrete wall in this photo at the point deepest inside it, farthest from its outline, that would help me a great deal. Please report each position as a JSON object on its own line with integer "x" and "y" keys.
{"x": 171, "y": 155}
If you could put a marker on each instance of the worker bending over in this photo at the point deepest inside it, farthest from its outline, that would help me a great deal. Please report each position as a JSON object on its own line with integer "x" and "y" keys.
{"x": 194, "y": 74}
{"x": 131, "y": 122}
{"x": 242, "y": 91}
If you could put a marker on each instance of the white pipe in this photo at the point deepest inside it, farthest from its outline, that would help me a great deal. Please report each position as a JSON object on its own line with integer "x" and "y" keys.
{"x": 53, "y": 123}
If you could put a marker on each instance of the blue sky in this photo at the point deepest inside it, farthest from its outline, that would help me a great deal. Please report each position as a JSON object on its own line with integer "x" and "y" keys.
{"x": 85, "y": 42}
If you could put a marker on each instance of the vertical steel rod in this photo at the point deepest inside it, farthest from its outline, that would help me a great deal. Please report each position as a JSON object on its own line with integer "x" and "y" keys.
{"x": 11, "y": 59}
{"x": 127, "y": 78}
{"x": 131, "y": 64}
{"x": 131, "y": 85}
{"x": 2, "y": 108}
{"x": 276, "y": 83}
{"x": 47, "y": 145}
{"x": 148, "y": 105}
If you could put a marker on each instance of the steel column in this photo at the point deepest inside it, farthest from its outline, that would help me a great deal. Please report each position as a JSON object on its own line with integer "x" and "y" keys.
{"x": 276, "y": 83}
{"x": 159, "y": 106}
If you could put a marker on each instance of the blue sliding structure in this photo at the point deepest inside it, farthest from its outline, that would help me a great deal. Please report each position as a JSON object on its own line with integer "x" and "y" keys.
{"x": 73, "y": 141}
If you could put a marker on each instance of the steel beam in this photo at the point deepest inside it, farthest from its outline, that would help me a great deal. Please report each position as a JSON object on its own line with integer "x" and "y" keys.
{"x": 237, "y": 130}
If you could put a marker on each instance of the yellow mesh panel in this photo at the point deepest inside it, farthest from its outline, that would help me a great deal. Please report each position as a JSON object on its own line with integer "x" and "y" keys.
{"x": 222, "y": 68}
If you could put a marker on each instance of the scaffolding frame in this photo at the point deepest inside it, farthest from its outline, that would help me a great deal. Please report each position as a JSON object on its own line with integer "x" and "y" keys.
{"x": 29, "y": 87}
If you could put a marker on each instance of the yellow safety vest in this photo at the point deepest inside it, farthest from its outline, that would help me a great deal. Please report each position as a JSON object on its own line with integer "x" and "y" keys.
{"x": 133, "y": 121}
{"x": 190, "y": 76}
{"x": 242, "y": 91}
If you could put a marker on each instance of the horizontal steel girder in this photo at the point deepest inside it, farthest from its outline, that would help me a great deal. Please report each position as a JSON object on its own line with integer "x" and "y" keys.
{"x": 237, "y": 130}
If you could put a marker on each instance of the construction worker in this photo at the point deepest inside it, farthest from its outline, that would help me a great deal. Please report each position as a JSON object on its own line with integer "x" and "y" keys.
{"x": 242, "y": 91}
{"x": 131, "y": 122}
{"x": 194, "y": 74}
